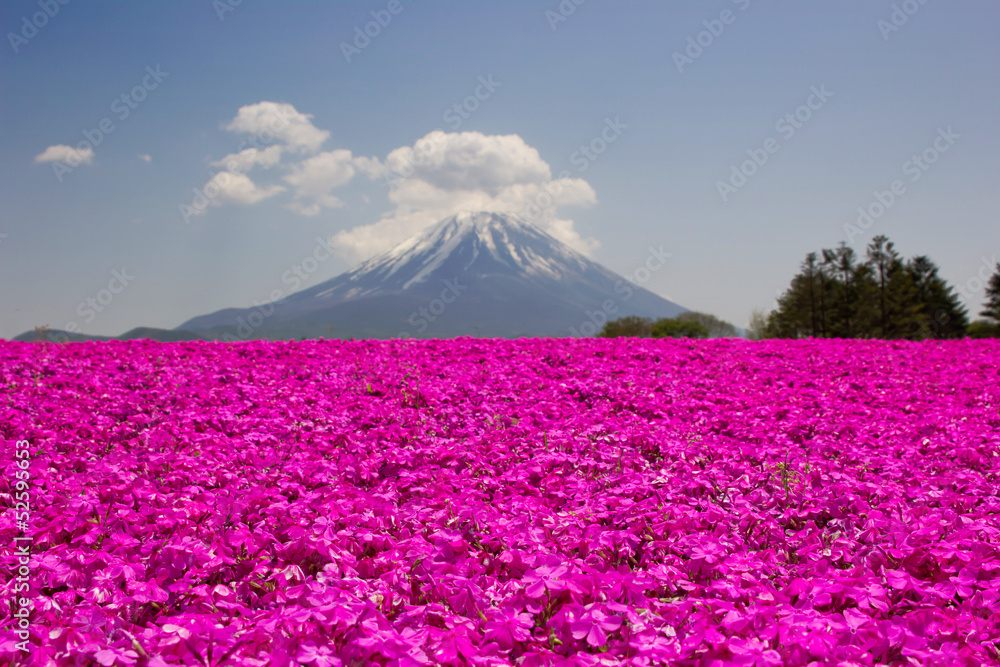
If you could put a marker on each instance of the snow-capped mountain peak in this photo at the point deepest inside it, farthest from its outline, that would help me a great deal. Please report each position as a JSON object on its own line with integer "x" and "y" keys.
{"x": 480, "y": 243}
{"x": 494, "y": 274}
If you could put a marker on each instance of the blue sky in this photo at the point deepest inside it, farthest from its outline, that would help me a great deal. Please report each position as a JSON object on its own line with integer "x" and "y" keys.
{"x": 671, "y": 133}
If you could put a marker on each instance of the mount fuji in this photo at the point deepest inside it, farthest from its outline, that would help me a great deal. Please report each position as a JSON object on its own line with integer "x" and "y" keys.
{"x": 479, "y": 274}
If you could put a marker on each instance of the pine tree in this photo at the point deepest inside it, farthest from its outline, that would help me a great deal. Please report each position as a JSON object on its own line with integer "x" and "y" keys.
{"x": 898, "y": 309}
{"x": 881, "y": 256}
{"x": 811, "y": 272}
{"x": 883, "y": 297}
{"x": 853, "y": 288}
{"x": 823, "y": 299}
{"x": 991, "y": 309}
{"x": 791, "y": 319}
{"x": 941, "y": 313}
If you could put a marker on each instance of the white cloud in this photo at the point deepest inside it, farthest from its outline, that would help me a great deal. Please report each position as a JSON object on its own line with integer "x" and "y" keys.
{"x": 445, "y": 173}
{"x": 313, "y": 208}
{"x": 278, "y": 129}
{"x": 370, "y": 166}
{"x": 237, "y": 189}
{"x": 440, "y": 175}
{"x": 248, "y": 158}
{"x": 67, "y": 154}
{"x": 145, "y": 157}
{"x": 314, "y": 178}
{"x": 273, "y": 120}
{"x": 470, "y": 161}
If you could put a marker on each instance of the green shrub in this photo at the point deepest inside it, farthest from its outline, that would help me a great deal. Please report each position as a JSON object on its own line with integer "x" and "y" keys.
{"x": 669, "y": 327}
{"x": 632, "y": 326}
{"x": 983, "y": 329}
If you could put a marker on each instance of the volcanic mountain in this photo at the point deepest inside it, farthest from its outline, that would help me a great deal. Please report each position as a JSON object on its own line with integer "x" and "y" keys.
{"x": 477, "y": 274}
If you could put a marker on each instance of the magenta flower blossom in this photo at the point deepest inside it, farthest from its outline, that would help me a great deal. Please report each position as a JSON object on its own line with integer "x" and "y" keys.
{"x": 502, "y": 502}
{"x": 108, "y": 657}
{"x": 594, "y": 625}
{"x": 507, "y": 627}
{"x": 457, "y": 644}
{"x": 320, "y": 656}
{"x": 147, "y": 591}
{"x": 545, "y": 578}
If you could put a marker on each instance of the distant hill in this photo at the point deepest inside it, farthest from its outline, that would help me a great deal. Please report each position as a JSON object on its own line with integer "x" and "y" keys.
{"x": 162, "y": 335}
{"x": 60, "y": 336}
{"x": 57, "y": 336}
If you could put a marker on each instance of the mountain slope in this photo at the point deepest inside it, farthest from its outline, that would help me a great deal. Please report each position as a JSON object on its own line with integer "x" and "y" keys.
{"x": 56, "y": 336}
{"x": 484, "y": 274}
{"x": 138, "y": 333}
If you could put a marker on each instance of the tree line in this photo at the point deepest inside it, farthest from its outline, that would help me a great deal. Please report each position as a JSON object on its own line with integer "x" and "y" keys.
{"x": 685, "y": 325}
{"x": 836, "y": 294}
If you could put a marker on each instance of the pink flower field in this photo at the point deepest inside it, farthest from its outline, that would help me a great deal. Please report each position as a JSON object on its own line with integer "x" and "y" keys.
{"x": 489, "y": 502}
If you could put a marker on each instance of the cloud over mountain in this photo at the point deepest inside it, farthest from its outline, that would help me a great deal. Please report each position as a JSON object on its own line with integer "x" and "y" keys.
{"x": 437, "y": 176}
{"x": 445, "y": 173}
{"x": 314, "y": 178}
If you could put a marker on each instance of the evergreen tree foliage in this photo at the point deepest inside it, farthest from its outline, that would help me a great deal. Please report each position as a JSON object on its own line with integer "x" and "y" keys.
{"x": 941, "y": 314}
{"x": 631, "y": 326}
{"x": 991, "y": 309}
{"x": 983, "y": 329}
{"x": 837, "y": 295}
{"x": 669, "y": 327}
